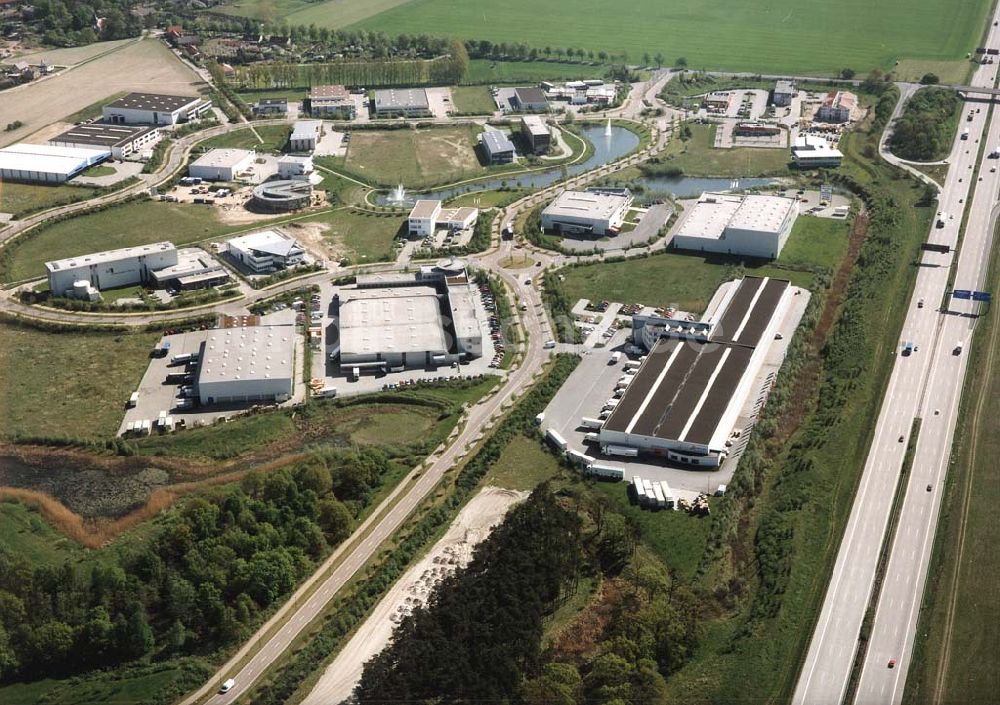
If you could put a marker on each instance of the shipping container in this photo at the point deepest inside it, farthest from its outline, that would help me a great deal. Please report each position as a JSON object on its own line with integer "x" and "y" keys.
{"x": 557, "y": 440}
{"x": 588, "y": 422}
{"x": 606, "y": 471}
{"x": 623, "y": 451}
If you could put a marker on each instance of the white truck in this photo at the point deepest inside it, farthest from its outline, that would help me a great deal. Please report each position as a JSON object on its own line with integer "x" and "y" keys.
{"x": 622, "y": 451}
{"x": 607, "y": 471}
{"x": 556, "y": 439}
{"x": 592, "y": 437}
{"x": 615, "y": 358}
{"x": 588, "y": 422}
{"x": 325, "y": 392}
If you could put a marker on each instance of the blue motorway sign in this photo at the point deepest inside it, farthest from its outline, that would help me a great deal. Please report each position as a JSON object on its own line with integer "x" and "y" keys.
{"x": 981, "y": 296}
{"x": 962, "y": 294}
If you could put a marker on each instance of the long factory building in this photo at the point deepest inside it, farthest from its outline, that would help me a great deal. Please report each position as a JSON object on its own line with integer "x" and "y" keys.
{"x": 685, "y": 398}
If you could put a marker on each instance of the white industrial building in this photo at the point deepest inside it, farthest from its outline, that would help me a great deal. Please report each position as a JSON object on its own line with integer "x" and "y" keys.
{"x": 46, "y": 163}
{"x": 587, "y": 212}
{"x": 195, "y": 269}
{"x": 155, "y": 109}
{"x": 295, "y": 167}
{"x": 266, "y": 251}
{"x": 222, "y": 164}
{"x": 684, "y": 401}
{"x": 81, "y": 276}
{"x": 247, "y": 364}
{"x": 813, "y": 151}
{"x": 399, "y": 320}
{"x": 752, "y": 226}
{"x": 427, "y": 216}
{"x": 124, "y": 141}
{"x": 305, "y": 135}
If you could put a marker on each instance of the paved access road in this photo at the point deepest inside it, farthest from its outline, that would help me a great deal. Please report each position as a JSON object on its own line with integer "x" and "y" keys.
{"x": 925, "y": 384}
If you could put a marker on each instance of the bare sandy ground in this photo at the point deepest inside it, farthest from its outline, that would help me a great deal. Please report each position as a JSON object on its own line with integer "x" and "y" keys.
{"x": 472, "y": 526}
{"x": 146, "y": 65}
{"x": 71, "y": 55}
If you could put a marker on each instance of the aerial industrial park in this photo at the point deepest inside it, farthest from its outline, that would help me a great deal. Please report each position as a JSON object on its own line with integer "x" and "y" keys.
{"x": 355, "y": 354}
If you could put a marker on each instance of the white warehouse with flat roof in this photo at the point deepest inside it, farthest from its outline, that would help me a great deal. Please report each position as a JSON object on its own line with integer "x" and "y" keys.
{"x": 266, "y": 251}
{"x": 47, "y": 163}
{"x": 394, "y": 327}
{"x": 586, "y": 212}
{"x": 752, "y": 226}
{"x": 110, "y": 269}
{"x": 222, "y": 164}
{"x": 239, "y": 365}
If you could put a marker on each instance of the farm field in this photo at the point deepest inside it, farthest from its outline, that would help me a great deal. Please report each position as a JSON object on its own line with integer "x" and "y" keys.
{"x": 486, "y": 71}
{"x": 146, "y": 65}
{"x": 817, "y": 37}
{"x": 68, "y": 384}
{"x": 21, "y": 199}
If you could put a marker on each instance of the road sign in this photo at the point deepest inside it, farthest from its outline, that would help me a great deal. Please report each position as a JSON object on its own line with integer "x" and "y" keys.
{"x": 981, "y": 296}
{"x": 962, "y": 294}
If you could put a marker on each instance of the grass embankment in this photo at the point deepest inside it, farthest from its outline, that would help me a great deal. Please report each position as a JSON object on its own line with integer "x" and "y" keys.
{"x": 698, "y": 155}
{"x": 23, "y": 199}
{"x": 926, "y": 129}
{"x": 72, "y": 384}
{"x": 955, "y": 652}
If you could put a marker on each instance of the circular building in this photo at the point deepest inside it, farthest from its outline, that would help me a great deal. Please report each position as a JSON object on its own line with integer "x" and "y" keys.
{"x": 282, "y": 196}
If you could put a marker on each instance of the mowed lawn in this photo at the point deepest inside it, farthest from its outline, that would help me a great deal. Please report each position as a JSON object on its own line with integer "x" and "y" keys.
{"x": 358, "y": 235}
{"x": 68, "y": 384}
{"x": 417, "y": 158}
{"x": 816, "y": 241}
{"x": 21, "y": 199}
{"x": 804, "y": 36}
{"x": 671, "y": 279}
{"x": 698, "y": 156}
{"x": 274, "y": 138}
{"x": 473, "y": 99}
{"x": 137, "y": 223}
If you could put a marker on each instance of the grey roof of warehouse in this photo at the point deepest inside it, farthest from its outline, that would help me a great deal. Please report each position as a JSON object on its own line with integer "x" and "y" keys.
{"x": 399, "y": 98}
{"x": 153, "y": 101}
{"x": 684, "y": 387}
{"x": 391, "y": 320}
{"x": 103, "y": 134}
{"x": 253, "y": 352}
{"x": 108, "y": 256}
{"x": 496, "y": 141}
{"x": 585, "y": 204}
{"x": 530, "y": 95}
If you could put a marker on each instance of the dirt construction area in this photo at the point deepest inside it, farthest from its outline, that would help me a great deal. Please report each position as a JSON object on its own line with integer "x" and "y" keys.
{"x": 145, "y": 65}
{"x": 454, "y": 550}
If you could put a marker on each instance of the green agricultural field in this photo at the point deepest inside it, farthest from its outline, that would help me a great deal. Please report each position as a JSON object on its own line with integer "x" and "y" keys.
{"x": 136, "y": 223}
{"x": 487, "y": 71}
{"x": 358, "y": 235}
{"x": 816, "y": 37}
{"x": 473, "y": 99}
{"x": 22, "y": 199}
{"x": 68, "y": 384}
{"x": 418, "y": 158}
{"x": 685, "y": 280}
{"x": 274, "y": 138}
{"x": 698, "y": 156}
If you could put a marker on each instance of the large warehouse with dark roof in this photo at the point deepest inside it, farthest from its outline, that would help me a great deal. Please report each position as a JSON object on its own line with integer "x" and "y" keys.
{"x": 684, "y": 400}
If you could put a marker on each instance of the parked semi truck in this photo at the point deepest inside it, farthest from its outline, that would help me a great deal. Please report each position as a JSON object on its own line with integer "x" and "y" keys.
{"x": 588, "y": 422}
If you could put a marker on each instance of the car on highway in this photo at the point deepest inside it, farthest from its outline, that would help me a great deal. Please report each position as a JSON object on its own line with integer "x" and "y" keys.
{"x": 892, "y": 663}
{"x": 920, "y": 304}
{"x": 928, "y": 488}
{"x": 227, "y": 685}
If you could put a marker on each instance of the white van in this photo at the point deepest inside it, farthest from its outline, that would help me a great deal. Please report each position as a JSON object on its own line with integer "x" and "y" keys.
{"x": 227, "y": 685}
{"x": 549, "y": 344}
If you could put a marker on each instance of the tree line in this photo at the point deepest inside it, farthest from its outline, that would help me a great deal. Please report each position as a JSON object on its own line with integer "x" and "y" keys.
{"x": 72, "y": 22}
{"x": 925, "y": 130}
{"x": 219, "y": 562}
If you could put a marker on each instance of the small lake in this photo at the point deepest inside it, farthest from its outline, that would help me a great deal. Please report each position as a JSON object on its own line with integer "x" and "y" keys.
{"x": 694, "y": 186}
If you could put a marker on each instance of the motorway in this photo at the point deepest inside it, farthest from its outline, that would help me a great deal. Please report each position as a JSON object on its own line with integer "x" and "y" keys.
{"x": 925, "y": 385}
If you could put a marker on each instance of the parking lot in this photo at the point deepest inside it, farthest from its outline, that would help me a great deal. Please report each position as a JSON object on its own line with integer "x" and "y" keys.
{"x": 593, "y": 383}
